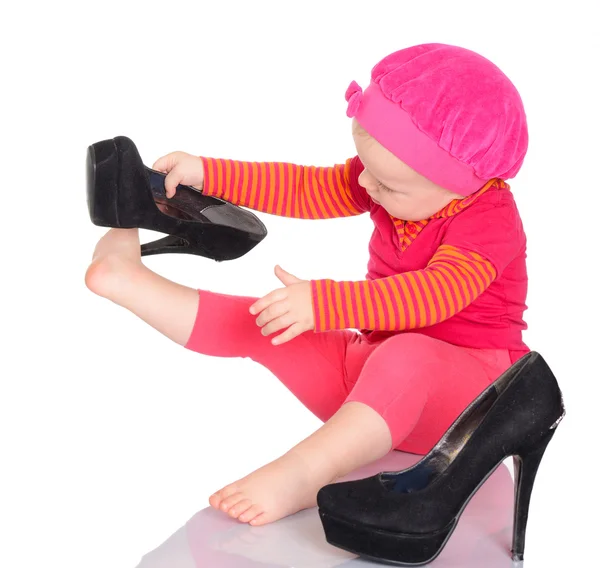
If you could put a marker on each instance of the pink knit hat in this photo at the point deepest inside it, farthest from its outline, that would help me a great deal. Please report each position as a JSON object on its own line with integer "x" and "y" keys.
{"x": 445, "y": 111}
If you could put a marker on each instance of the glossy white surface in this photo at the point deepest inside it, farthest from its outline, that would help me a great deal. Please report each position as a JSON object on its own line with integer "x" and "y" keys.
{"x": 210, "y": 538}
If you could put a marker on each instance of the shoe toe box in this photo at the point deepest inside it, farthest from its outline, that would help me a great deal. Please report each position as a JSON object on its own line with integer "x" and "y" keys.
{"x": 352, "y": 500}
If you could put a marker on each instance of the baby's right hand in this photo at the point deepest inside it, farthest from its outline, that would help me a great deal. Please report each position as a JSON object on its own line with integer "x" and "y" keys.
{"x": 180, "y": 167}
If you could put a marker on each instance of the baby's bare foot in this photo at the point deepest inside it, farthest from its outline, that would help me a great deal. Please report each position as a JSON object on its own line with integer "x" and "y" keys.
{"x": 116, "y": 257}
{"x": 276, "y": 490}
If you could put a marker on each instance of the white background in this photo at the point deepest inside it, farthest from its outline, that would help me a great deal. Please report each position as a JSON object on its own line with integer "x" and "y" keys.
{"x": 111, "y": 435}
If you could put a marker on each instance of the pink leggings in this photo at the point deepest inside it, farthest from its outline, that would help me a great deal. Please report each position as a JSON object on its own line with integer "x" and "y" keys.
{"x": 419, "y": 385}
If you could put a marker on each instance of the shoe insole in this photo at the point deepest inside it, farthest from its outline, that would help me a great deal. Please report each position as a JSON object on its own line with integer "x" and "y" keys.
{"x": 191, "y": 204}
{"x": 185, "y": 204}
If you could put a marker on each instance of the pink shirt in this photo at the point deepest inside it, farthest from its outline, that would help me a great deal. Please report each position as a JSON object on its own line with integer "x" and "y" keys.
{"x": 490, "y": 226}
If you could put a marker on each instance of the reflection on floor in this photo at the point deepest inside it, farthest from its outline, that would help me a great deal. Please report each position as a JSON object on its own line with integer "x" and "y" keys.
{"x": 212, "y": 539}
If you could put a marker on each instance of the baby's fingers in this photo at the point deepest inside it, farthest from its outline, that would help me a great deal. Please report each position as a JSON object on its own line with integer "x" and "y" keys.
{"x": 165, "y": 164}
{"x": 172, "y": 180}
{"x": 275, "y": 310}
{"x": 293, "y": 331}
{"x": 266, "y": 301}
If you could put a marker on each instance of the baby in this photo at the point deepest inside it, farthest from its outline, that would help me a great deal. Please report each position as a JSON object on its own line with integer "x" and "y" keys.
{"x": 391, "y": 361}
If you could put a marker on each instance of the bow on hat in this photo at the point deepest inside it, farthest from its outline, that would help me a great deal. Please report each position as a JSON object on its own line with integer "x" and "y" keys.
{"x": 354, "y": 95}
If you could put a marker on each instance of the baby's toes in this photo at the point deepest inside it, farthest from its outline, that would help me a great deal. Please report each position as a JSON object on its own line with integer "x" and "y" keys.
{"x": 214, "y": 500}
{"x": 217, "y": 498}
{"x": 236, "y": 510}
{"x": 250, "y": 514}
{"x": 230, "y": 501}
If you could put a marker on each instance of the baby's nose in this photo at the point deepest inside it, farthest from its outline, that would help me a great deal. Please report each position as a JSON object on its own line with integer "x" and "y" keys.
{"x": 367, "y": 182}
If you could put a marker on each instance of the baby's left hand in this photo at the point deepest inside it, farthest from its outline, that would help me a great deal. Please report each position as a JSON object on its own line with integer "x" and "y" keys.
{"x": 289, "y": 307}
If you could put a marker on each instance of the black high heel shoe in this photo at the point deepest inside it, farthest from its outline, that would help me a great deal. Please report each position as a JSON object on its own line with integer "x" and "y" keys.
{"x": 123, "y": 192}
{"x": 407, "y": 517}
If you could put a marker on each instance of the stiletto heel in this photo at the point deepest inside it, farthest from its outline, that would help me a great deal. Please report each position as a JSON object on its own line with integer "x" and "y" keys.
{"x": 122, "y": 192}
{"x": 526, "y": 464}
{"x": 407, "y": 517}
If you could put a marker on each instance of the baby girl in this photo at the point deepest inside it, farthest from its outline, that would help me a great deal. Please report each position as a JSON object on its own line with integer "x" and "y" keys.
{"x": 388, "y": 362}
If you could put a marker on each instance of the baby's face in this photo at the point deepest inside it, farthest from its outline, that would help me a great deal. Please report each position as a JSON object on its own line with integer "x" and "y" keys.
{"x": 400, "y": 190}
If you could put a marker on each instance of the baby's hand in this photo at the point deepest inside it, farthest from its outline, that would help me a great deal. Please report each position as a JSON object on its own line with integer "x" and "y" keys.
{"x": 289, "y": 307}
{"x": 180, "y": 167}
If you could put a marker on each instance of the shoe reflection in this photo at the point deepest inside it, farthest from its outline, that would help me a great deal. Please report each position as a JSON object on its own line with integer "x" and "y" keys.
{"x": 212, "y": 539}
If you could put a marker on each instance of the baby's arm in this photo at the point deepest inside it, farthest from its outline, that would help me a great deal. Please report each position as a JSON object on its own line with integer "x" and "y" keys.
{"x": 477, "y": 246}
{"x": 288, "y": 190}
{"x": 452, "y": 280}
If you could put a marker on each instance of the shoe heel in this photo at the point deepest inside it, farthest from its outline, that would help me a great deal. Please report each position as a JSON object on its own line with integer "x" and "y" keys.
{"x": 101, "y": 181}
{"x": 526, "y": 465}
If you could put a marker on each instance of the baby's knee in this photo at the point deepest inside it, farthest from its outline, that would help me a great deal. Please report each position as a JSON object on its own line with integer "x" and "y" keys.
{"x": 407, "y": 347}
{"x": 404, "y": 361}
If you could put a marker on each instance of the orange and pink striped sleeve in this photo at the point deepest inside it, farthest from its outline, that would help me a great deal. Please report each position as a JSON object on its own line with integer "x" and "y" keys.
{"x": 279, "y": 188}
{"x": 452, "y": 280}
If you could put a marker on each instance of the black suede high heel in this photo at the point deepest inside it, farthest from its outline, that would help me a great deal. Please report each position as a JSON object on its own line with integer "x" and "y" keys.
{"x": 123, "y": 192}
{"x": 407, "y": 517}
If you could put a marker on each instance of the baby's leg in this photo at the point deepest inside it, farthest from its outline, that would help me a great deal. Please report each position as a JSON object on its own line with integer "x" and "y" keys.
{"x": 117, "y": 273}
{"x": 420, "y": 385}
{"x": 312, "y": 367}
